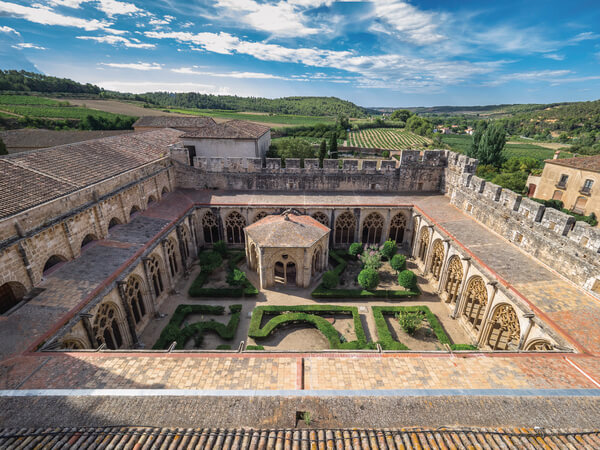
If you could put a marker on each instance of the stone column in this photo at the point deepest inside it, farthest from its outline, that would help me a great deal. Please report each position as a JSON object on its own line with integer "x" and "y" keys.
{"x": 488, "y": 308}
{"x": 181, "y": 252}
{"x": 357, "y": 216}
{"x": 262, "y": 272}
{"x": 429, "y": 252}
{"x": 170, "y": 278}
{"x": 87, "y": 326}
{"x": 153, "y": 294}
{"x": 415, "y": 236}
{"x": 128, "y": 312}
{"x": 26, "y": 263}
{"x": 463, "y": 287}
{"x": 525, "y": 335}
{"x": 332, "y": 227}
{"x": 444, "y": 268}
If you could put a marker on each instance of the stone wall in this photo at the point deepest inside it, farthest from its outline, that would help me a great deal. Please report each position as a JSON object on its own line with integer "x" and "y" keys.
{"x": 415, "y": 172}
{"x": 554, "y": 238}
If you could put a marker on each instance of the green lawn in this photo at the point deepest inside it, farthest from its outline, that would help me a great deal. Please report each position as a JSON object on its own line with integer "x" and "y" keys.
{"x": 276, "y": 119}
{"x": 461, "y": 142}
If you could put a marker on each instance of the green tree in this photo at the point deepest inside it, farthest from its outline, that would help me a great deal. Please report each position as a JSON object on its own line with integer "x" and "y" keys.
{"x": 342, "y": 121}
{"x": 389, "y": 249}
{"x": 407, "y": 279}
{"x": 491, "y": 146}
{"x": 398, "y": 262}
{"x": 401, "y": 114}
{"x": 356, "y": 249}
{"x": 3, "y": 150}
{"x": 333, "y": 146}
{"x": 322, "y": 152}
{"x": 368, "y": 279}
{"x": 480, "y": 128}
{"x": 295, "y": 148}
{"x": 330, "y": 280}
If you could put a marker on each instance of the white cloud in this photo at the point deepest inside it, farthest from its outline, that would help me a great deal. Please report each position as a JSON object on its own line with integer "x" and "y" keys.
{"x": 284, "y": 18}
{"x": 45, "y": 16}
{"x": 68, "y": 3}
{"x": 408, "y": 22}
{"x": 396, "y": 71}
{"x": 117, "y": 40}
{"x": 586, "y": 36}
{"x": 134, "y": 66}
{"x": 8, "y": 30}
{"x": 552, "y": 76}
{"x": 137, "y": 87}
{"x": 23, "y": 45}
{"x": 109, "y": 7}
{"x": 242, "y": 75}
{"x": 554, "y": 56}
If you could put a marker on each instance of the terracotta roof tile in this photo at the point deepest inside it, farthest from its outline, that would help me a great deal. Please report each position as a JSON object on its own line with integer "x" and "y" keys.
{"x": 30, "y": 138}
{"x": 34, "y": 177}
{"x": 173, "y": 121}
{"x": 286, "y": 231}
{"x": 234, "y": 129}
{"x": 247, "y": 438}
{"x": 591, "y": 163}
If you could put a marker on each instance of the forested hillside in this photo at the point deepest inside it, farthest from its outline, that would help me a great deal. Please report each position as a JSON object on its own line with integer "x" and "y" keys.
{"x": 21, "y": 81}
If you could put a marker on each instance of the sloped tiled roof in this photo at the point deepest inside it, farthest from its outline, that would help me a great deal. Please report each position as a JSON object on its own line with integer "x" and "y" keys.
{"x": 30, "y": 138}
{"x": 242, "y": 439}
{"x": 174, "y": 121}
{"x": 34, "y": 177}
{"x": 591, "y": 163}
{"x": 234, "y": 129}
{"x": 288, "y": 230}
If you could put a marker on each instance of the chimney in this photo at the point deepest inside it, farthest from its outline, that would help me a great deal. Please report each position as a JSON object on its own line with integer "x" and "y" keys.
{"x": 556, "y": 154}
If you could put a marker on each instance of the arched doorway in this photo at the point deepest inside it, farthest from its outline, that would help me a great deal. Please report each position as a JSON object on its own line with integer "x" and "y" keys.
{"x": 372, "y": 229}
{"x": 135, "y": 299}
{"x": 345, "y": 225}
{"x": 210, "y": 228}
{"x": 134, "y": 210}
{"x": 53, "y": 263}
{"x": 234, "y": 228}
{"x": 504, "y": 332}
{"x": 11, "y": 294}
{"x": 423, "y": 243}
{"x": 316, "y": 261}
{"x": 454, "y": 279}
{"x": 476, "y": 300}
{"x": 397, "y": 227}
{"x": 88, "y": 239}
{"x": 285, "y": 272}
{"x": 106, "y": 327}
{"x": 437, "y": 259}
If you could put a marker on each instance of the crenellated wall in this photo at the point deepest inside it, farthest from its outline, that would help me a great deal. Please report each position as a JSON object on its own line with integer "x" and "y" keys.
{"x": 415, "y": 172}
{"x": 554, "y": 238}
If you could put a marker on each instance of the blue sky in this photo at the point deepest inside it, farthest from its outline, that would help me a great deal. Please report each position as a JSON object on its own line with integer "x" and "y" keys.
{"x": 374, "y": 53}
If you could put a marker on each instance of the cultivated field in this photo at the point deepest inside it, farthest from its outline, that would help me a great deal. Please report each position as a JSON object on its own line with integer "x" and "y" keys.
{"x": 120, "y": 107}
{"x": 275, "y": 120}
{"x": 392, "y": 138}
{"x": 47, "y": 108}
{"x": 461, "y": 142}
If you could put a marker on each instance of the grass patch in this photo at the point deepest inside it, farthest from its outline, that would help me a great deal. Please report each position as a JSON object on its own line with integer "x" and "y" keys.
{"x": 7, "y": 99}
{"x": 309, "y": 314}
{"x": 386, "y": 340}
{"x": 173, "y": 332}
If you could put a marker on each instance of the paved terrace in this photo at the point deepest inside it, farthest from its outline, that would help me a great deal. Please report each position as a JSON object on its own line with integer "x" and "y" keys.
{"x": 71, "y": 286}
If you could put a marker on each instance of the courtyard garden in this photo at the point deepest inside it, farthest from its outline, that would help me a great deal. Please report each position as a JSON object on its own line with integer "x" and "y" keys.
{"x": 219, "y": 306}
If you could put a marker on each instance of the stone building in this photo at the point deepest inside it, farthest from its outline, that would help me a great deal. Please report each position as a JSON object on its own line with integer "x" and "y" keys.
{"x": 289, "y": 249}
{"x": 574, "y": 181}
{"x": 233, "y": 139}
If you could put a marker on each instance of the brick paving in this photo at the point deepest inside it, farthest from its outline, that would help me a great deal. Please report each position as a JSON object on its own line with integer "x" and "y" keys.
{"x": 566, "y": 306}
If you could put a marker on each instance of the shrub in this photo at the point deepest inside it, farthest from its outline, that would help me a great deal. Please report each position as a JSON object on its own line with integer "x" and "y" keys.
{"x": 409, "y": 321}
{"x": 368, "y": 278}
{"x": 221, "y": 248}
{"x": 330, "y": 280}
{"x": 209, "y": 261}
{"x": 341, "y": 263}
{"x": 355, "y": 249}
{"x": 385, "y": 154}
{"x": 407, "y": 279}
{"x": 236, "y": 278}
{"x": 398, "y": 262}
{"x": 463, "y": 347}
{"x": 371, "y": 258}
{"x": 389, "y": 249}
{"x": 224, "y": 347}
{"x": 254, "y": 347}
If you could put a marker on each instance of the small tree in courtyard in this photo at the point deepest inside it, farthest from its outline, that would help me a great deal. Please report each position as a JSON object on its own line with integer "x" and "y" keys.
{"x": 407, "y": 279}
{"x": 221, "y": 248}
{"x": 368, "y": 279}
{"x": 398, "y": 262}
{"x": 389, "y": 249}
{"x": 355, "y": 249}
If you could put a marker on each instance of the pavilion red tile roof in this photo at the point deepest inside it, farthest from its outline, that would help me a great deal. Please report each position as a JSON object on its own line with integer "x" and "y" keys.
{"x": 287, "y": 230}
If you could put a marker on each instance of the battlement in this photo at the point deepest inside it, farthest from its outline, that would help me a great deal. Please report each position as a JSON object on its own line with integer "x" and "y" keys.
{"x": 555, "y": 238}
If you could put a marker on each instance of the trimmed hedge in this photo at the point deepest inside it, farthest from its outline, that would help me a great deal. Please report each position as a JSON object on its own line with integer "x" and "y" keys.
{"x": 386, "y": 340}
{"x": 341, "y": 263}
{"x": 254, "y": 347}
{"x": 173, "y": 331}
{"x": 309, "y": 314}
{"x": 233, "y": 259}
